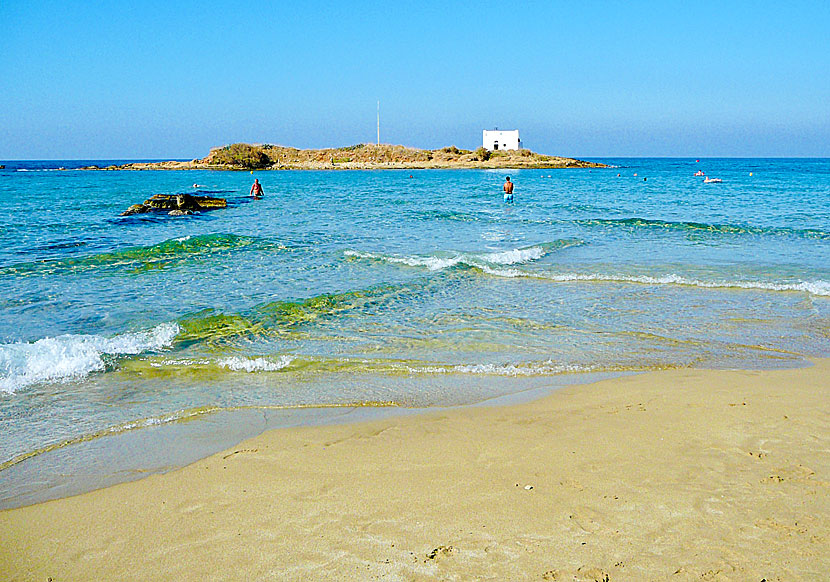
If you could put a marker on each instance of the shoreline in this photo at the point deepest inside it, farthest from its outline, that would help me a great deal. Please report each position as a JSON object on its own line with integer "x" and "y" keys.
{"x": 108, "y": 457}
{"x": 681, "y": 474}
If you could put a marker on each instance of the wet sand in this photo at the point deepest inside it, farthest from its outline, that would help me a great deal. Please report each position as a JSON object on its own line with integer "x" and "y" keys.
{"x": 677, "y": 475}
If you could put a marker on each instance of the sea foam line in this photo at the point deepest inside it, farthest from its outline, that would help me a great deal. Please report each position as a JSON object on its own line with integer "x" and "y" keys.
{"x": 481, "y": 260}
{"x": 819, "y": 287}
{"x": 72, "y": 357}
{"x": 240, "y": 364}
{"x": 547, "y": 368}
{"x": 493, "y": 263}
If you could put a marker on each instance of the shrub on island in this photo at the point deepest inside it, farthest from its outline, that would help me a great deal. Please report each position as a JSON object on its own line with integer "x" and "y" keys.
{"x": 241, "y": 155}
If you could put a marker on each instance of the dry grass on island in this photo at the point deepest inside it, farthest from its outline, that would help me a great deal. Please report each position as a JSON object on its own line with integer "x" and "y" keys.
{"x": 240, "y": 156}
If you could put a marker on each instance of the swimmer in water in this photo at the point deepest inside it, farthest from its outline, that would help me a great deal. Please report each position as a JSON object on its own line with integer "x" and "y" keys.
{"x": 256, "y": 189}
{"x": 508, "y": 190}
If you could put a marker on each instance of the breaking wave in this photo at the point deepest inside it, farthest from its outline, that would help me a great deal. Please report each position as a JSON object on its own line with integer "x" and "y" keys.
{"x": 509, "y": 263}
{"x": 72, "y": 357}
{"x": 440, "y": 261}
{"x": 68, "y": 358}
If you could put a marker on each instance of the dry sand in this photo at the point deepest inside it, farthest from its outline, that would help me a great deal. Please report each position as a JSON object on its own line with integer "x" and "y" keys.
{"x": 678, "y": 475}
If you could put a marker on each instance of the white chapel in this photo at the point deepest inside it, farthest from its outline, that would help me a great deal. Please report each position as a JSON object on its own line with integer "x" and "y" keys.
{"x": 496, "y": 139}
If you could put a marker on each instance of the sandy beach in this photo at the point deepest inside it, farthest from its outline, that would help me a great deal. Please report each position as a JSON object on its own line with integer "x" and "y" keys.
{"x": 676, "y": 475}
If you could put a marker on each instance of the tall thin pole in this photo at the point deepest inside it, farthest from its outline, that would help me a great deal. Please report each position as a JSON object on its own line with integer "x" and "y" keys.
{"x": 378, "y": 122}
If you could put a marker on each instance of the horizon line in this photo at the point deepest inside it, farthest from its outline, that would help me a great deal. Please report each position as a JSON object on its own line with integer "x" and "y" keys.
{"x": 618, "y": 157}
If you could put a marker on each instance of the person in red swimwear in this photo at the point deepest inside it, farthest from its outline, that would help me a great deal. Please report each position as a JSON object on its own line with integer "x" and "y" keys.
{"x": 256, "y": 189}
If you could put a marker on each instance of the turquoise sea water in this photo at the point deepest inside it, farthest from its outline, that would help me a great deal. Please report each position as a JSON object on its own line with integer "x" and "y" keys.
{"x": 379, "y": 288}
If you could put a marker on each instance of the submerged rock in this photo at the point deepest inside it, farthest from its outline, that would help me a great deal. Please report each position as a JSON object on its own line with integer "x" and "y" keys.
{"x": 176, "y": 204}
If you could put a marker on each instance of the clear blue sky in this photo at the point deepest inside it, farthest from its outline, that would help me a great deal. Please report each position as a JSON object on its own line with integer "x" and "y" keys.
{"x": 171, "y": 79}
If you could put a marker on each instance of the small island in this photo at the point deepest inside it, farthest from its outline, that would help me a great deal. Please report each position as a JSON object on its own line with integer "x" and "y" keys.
{"x": 241, "y": 156}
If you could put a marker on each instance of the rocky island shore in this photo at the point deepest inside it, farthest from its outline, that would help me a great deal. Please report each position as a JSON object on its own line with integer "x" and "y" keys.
{"x": 242, "y": 156}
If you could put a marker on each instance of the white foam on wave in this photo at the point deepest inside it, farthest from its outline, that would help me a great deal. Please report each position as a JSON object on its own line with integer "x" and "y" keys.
{"x": 72, "y": 357}
{"x": 821, "y": 288}
{"x": 180, "y": 362}
{"x": 240, "y": 364}
{"x": 818, "y": 287}
{"x": 546, "y": 368}
{"x": 491, "y": 263}
{"x": 515, "y": 256}
{"x": 509, "y": 273}
{"x": 430, "y": 262}
{"x": 439, "y": 263}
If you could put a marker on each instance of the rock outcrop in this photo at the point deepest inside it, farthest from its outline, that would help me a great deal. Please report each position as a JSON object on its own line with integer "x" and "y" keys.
{"x": 176, "y": 204}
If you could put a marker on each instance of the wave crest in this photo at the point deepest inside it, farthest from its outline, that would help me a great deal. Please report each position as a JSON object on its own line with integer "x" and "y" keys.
{"x": 72, "y": 357}
{"x": 440, "y": 261}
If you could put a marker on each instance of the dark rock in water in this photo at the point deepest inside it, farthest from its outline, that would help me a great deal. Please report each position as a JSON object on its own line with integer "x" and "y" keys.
{"x": 135, "y": 209}
{"x": 2, "y": 167}
{"x": 181, "y": 204}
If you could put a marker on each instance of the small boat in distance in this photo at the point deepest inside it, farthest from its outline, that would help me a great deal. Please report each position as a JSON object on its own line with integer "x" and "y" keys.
{"x": 712, "y": 180}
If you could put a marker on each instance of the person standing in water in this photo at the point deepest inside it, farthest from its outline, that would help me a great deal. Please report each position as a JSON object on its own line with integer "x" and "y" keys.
{"x": 508, "y": 190}
{"x": 256, "y": 189}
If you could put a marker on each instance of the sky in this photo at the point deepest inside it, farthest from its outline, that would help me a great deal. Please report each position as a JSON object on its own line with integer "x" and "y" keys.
{"x": 130, "y": 80}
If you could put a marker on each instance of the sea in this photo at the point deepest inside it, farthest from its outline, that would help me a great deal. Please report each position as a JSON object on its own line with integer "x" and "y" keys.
{"x": 132, "y": 345}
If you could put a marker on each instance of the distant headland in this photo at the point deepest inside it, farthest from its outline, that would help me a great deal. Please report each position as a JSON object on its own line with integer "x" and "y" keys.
{"x": 241, "y": 156}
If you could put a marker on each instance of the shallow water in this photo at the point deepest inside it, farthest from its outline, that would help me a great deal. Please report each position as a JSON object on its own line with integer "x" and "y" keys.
{"x": 373, "y": 288}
